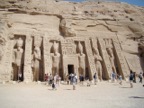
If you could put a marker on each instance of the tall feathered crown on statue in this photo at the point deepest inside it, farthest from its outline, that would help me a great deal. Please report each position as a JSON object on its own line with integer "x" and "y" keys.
{"x": 108, "y": 43}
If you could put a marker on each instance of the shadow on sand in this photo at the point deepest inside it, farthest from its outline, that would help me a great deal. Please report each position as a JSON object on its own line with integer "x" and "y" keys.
{"x": 136, "y": 97}
{"x": 68, "y": 89}
{"x": 125, "y": 87}
{"x": 52, "y": 89}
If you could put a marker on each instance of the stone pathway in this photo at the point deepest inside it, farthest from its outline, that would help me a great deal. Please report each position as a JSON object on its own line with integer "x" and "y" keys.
{"x": 103, "y": 95}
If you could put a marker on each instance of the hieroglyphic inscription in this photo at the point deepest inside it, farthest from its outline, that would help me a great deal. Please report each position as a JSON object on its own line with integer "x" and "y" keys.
{"x": 47, "y": 56}
{"x": 28, "y": 59}
{"x": 67, "y": 47}
{"x": 6, "y": 73}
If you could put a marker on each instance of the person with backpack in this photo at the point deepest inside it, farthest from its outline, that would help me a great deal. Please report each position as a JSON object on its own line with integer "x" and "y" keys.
{"x": 53, "y": 85}
{"x": 140, "y": 77}
{"x": 50, "y": 79}
{"x": 120, "y": 79}
{"x": 95, "y": 78}
{"x": 134, "y": 77}
{"x": 131, "y": 77}
{"x": 113, "y": 76}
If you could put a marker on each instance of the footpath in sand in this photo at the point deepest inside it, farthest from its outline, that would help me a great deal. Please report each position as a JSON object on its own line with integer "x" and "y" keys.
{"x": 102, "y": 95}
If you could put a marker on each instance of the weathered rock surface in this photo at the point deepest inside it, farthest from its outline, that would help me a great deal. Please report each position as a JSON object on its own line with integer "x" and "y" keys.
{"x": 51, "y": 20}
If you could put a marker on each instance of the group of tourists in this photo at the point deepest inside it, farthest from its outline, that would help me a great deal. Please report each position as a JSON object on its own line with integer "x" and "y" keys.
{"x": 54, "y": 81}
{"x": 132, "y": 77}
{"x": 72, "y": 79}
{"x": 115, "y": 76}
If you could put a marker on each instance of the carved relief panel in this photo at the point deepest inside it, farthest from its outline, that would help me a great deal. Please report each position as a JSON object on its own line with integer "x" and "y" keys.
{"x": 68, "y": 47}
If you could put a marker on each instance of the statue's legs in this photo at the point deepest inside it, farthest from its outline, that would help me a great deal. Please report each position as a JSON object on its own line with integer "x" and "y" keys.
{"x": 100, "y": 73}
{"x": 36, "y": 74}
{"x": 15, "y": 73}
{"x": 82, "y": 71}
{"x": 36, "y": 70}
{"x": 53, "y": 71}
{"x": 57, "y": 70}
{"x": 99, "y": 70}
{"x": 19, "y": 73}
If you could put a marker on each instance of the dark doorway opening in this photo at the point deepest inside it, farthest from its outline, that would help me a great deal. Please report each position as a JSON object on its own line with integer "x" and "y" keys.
{"x": 70, "y": 69}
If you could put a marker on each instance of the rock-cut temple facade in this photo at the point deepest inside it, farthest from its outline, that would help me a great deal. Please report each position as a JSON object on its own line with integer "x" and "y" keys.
{"x": 43, "y": 36}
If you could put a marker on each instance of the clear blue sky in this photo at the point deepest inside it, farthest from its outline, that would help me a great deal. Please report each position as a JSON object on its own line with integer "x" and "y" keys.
{"x": 134, "y": 2}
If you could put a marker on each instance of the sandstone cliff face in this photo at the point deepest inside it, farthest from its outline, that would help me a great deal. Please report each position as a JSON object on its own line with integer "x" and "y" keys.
{"x": 67, "y": 20}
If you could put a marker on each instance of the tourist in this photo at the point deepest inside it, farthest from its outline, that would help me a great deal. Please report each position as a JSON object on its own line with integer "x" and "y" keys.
{"x": 140, "y": 77}
{"x": 88, "y": 82}
{"x": 70, "y": 78}
{"x": 74, "y": 81}
{"x": 134, "y": 77}
{"x": 46, "y": 77}
{"x": 131, "y": 77}
{"x": 82, "y": 79}
{"x": 120, "y": 79}
{"x": 54, "y": 85}
{"x": 20, "y": 77}
{"x": 113, "y": 76}
{"x": 58, "y": 79}
{"x": 95, "y": 78}
{"x": 76, "y": 78}
{"x": 55, "y": 80}
{"x": 50, "y": 79}
{"x": 67, "y": 79}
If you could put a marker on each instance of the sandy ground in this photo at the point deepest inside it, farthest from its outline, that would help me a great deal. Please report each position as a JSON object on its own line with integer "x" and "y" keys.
{"x": 102, "y": 95}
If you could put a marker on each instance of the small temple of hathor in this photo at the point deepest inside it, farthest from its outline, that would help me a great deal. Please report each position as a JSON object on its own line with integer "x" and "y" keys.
{"x": 34, "y": 41}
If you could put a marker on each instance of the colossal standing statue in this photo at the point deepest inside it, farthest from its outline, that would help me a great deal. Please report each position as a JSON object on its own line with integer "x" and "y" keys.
{"x": 98, "y": 61}
{"x": 2, "y": 44}
{"x": 112, "y": 59}
{"x": 81, "y": 59}
{"x": 37, "y": 60}
{"x": 18, "y": 52}
{"x": 55, "y": 59}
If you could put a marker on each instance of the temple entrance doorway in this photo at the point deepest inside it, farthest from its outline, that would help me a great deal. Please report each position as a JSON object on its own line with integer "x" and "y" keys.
{"x": 70, "y": 69}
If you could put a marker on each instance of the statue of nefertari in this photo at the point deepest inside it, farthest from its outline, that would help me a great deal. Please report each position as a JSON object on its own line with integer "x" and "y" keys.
{"x": 36, "y": 63}
{"x": 55, "y": 59}
{"x": 112, "y": 59}
{"x": 18, "y": 60}
{"x": 81, "y": 59}
{"x": 98, "y": 60}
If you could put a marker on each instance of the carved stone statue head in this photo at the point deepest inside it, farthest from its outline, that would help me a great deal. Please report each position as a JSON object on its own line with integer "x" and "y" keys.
{"x": 110, "y": 51}
{"x": 95, "y": 51}
{"x": 19, "y": 42}
{"x": 80, "y": 48}
{"x": 37, "y": 49}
